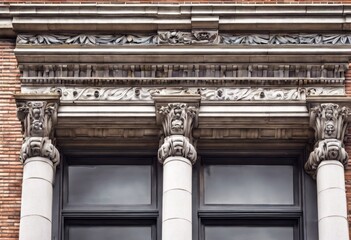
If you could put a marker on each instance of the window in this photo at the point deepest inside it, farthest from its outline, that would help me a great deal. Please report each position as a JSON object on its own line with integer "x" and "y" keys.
{"x": 109, "y": 198}
{"x": 254, "y": 198}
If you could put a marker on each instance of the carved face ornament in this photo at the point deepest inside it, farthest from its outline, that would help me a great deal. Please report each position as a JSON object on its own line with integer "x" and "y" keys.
{"x": 329, "y": 130}
{"x": 177, "y": 123}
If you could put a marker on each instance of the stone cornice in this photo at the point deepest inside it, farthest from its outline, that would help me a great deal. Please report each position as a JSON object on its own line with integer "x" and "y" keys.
{"x": 198, "y": 53}
{"x": 150, "y": 17}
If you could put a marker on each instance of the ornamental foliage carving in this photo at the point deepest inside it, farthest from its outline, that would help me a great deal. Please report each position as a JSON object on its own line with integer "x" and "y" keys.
{"x": 178, "y": 121}
{"x": 38, "y": 119}
{"x": 177, "y": 145}
{"x": 179, "y": 37}
{"x": 39, "y": 147}
{"x": 330, "y": 123}
{"x": 206, "y": 93}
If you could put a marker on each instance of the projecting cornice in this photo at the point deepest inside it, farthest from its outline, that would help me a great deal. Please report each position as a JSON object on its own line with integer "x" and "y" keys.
{"x": 19, "y": 18}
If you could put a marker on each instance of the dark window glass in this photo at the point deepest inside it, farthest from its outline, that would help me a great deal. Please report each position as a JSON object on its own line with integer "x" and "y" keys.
{"x": 109, "y": 232}
{"x": 109, "y": 184}
{"x": 249, "y": 184}
{"x": 248, "y": 233}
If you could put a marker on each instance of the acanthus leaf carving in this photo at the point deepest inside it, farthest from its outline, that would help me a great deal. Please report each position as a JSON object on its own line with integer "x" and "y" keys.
{"x": 328, "y": 149}
{"x": 330, "y": 122}
{"x": 180, "y": 37}
{"x": 177, "y": 145}
{"x": 37, "y": 117}
{"x": 39, "y": 147}
{"x": 178, "y": 122}
{"x": 178, "y": 119}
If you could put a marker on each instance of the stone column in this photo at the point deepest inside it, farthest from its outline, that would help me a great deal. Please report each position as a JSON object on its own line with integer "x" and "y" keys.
{"x": 40, "y": 158}
{"x": 177, "y": 154}
{"x": 326, "y": 163}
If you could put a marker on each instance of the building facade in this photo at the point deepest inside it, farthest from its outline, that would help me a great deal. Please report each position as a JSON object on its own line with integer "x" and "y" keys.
{"x": 186, "y": 121}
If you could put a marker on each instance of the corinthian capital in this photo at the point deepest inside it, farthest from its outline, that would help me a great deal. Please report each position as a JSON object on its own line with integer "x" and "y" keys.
{"x": 38, "y": 116}
{"x": 330, "y": 122}
{"x": 178, "y": 119}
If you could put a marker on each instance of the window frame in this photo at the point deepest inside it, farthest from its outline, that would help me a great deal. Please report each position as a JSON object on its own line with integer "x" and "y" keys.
{"x": 134, "y": 214}
{"x": 304, "y": 211}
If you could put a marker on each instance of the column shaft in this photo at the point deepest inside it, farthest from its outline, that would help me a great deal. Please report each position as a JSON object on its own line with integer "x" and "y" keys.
{"x": 332, "y": 209}
{"x": 37, "y": 193}
{"x": 177, "y": 199}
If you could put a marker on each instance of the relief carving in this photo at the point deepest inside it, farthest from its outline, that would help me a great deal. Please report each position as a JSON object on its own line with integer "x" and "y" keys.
{"x": 38, "y": 119}
{"x": 179, "y": 37}
{"x": 178, "y": 121}
{"x": 177, "y": 145}
{"x": 206, "y": 93}
{"x": 330, "y": 123}
{"x": 39, "y": 147}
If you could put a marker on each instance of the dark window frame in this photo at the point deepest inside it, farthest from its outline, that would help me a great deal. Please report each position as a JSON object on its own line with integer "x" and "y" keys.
{"x": 303, "y": 212}
{"x": 133, "y": 214}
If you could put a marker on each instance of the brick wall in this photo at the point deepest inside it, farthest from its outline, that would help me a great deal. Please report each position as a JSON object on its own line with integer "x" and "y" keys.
{"x": 10, "y": 143}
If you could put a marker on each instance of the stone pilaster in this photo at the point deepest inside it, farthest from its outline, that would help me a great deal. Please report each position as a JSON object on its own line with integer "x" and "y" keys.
{"x": 177, "y": 154}
{"x": 326, "y": 163}
{"x": 38, "y": 115}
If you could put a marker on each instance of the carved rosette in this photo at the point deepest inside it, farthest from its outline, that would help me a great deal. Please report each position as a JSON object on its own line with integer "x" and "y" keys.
{"x": 330, "y": 123}
{"x": 38, "y": 119}
{"x": 178, "y": 121}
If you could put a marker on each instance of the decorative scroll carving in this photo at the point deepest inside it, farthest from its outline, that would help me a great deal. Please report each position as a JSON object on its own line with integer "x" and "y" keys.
{"x": 330, "y": 123}
{"x": 177, "y": 145}
{"x": 178, "y": 121}
{"x": 323, "y": 72}
{"x": 328, "y": 149}
{"x": 207, "y": 94}
{"x": 38, "y": 119}
{"x": 39, "y": 147}
{"x": 179, "y": 37}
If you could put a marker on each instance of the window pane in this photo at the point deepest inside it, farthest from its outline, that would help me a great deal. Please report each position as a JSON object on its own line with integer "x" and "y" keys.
{"x": 249, "y": 184}
{"x": 109, "y": 184}
{"x": 248, "y": 233}
{"x": 109, "y": 233}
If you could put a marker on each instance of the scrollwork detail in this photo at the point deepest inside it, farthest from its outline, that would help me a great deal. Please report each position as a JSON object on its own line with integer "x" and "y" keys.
{"x": 177, "y": 145}
{"x": 328, "y": 149}
{"x": 39, "y": 147}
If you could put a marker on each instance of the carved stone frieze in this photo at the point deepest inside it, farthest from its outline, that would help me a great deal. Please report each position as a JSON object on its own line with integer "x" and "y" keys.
{"x": 178, "y": 122}
{"x": 39, "y": 147}
{"x": 207, "y": 94}
{"x": 179, "y": 37}
{"x": 38, "y": 119}
{"x": 329, "y": 121}
{"x": 324, "y": 72}
{"x": 177, "y": 145}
